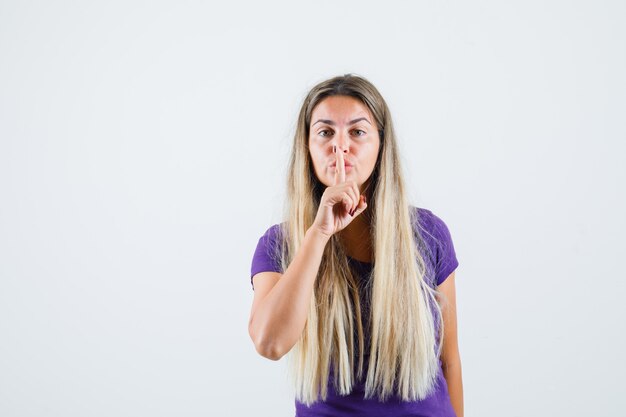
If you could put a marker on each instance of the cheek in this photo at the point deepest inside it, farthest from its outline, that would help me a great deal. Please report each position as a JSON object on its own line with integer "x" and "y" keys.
{"x": 372, "y": 155}
{"x": 316, "y": 156}
{"x": 375, "y": 154}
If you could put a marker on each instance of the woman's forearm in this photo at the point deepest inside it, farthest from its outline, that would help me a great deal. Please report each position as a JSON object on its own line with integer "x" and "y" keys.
{"x": 278, "y": 321}
{"x": 453, "y": 375}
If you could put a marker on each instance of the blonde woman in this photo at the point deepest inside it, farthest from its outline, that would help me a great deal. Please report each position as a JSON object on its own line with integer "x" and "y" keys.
{"x": 356, "y": 285}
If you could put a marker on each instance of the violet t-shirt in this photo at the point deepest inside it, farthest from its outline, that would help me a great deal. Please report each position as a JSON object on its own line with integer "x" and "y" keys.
{"x": 441, "y": 261}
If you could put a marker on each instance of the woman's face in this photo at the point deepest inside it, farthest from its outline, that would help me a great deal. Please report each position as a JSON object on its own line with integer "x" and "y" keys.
{"x": 347, "y": 123}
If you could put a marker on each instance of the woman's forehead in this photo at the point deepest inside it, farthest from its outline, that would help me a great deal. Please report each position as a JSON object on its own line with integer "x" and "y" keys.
{"x": 340, "y": 110}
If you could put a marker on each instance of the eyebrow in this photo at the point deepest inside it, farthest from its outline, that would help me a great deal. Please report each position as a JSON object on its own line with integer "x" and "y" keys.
{"x": 330, "y": 122}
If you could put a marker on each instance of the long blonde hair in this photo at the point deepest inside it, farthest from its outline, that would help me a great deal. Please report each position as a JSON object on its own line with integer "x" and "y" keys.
{"x": 403, "y": 349}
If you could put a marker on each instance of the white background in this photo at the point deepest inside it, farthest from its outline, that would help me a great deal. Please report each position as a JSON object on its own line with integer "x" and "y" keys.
{"x": 143, "y": 152}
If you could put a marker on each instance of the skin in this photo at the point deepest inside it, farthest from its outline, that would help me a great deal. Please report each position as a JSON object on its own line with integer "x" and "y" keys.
{"x": 450, "y": 356}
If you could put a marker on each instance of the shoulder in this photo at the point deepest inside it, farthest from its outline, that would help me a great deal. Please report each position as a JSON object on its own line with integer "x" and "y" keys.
{"x": 273, "y": 233}
{"x": 271, "y": 241}
{"x": 429, "y": 223}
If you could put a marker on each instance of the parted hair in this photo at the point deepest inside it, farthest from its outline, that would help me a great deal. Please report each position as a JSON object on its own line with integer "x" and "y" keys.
{"x": 403, "y": 356}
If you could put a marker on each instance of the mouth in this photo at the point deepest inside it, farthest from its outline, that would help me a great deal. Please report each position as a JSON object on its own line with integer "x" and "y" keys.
{"x": 334, "y": 164}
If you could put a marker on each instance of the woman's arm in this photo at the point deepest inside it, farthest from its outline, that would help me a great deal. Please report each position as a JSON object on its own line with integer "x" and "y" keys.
{"x": 450, "y": 356}
{"x": 281, "y": 306}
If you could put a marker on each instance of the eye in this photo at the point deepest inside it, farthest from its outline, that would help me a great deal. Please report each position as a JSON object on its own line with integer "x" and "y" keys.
{"x": 359, "y": 132}
{"x": 324, "y": 132}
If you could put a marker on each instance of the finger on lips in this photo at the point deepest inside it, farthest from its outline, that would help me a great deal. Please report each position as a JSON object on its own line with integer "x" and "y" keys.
{"x": 340, "y": 170}
{"x": 340, "y": 178}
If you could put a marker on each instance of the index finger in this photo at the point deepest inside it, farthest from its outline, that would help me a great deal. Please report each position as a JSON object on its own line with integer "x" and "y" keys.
{"x": 340, "y": 169}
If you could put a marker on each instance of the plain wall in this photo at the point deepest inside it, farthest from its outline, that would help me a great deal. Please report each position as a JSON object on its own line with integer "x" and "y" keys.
{"x": 143, "y": 152}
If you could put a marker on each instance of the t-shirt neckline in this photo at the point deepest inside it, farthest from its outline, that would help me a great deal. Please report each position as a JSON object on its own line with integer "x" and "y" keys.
{"x": 357, "y": 261}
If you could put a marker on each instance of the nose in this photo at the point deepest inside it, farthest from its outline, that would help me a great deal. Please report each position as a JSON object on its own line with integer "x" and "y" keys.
{"x": 341, "y": 142}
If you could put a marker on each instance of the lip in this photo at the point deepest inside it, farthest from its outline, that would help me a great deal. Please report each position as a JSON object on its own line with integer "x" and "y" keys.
{"x": 345, "y": 164}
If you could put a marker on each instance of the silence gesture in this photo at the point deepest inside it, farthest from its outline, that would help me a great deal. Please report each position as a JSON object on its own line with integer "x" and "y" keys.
{"x": 340, "y": 203}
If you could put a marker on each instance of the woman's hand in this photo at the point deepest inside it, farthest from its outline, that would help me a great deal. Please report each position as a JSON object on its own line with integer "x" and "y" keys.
{"x": 340, "y": 203}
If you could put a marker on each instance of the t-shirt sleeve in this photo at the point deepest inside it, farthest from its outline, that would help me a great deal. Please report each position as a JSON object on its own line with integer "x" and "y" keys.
{"x": 446, "y": 260}
{"x": 267, "y": 254}
{"x": 439, "y": 246}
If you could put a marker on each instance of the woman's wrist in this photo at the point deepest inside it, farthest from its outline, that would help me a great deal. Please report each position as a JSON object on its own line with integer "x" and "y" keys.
{"x": 317, "y": 235}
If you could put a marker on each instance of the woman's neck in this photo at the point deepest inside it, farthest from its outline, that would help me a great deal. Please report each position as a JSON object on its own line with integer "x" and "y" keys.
{"x": 356, "y": 239}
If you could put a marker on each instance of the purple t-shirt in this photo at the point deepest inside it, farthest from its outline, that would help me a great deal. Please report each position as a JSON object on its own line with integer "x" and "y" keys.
{"x": 441, "y": 261}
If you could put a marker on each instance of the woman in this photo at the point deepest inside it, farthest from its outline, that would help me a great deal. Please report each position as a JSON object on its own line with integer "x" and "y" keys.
{"x": 357, "y": 285}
